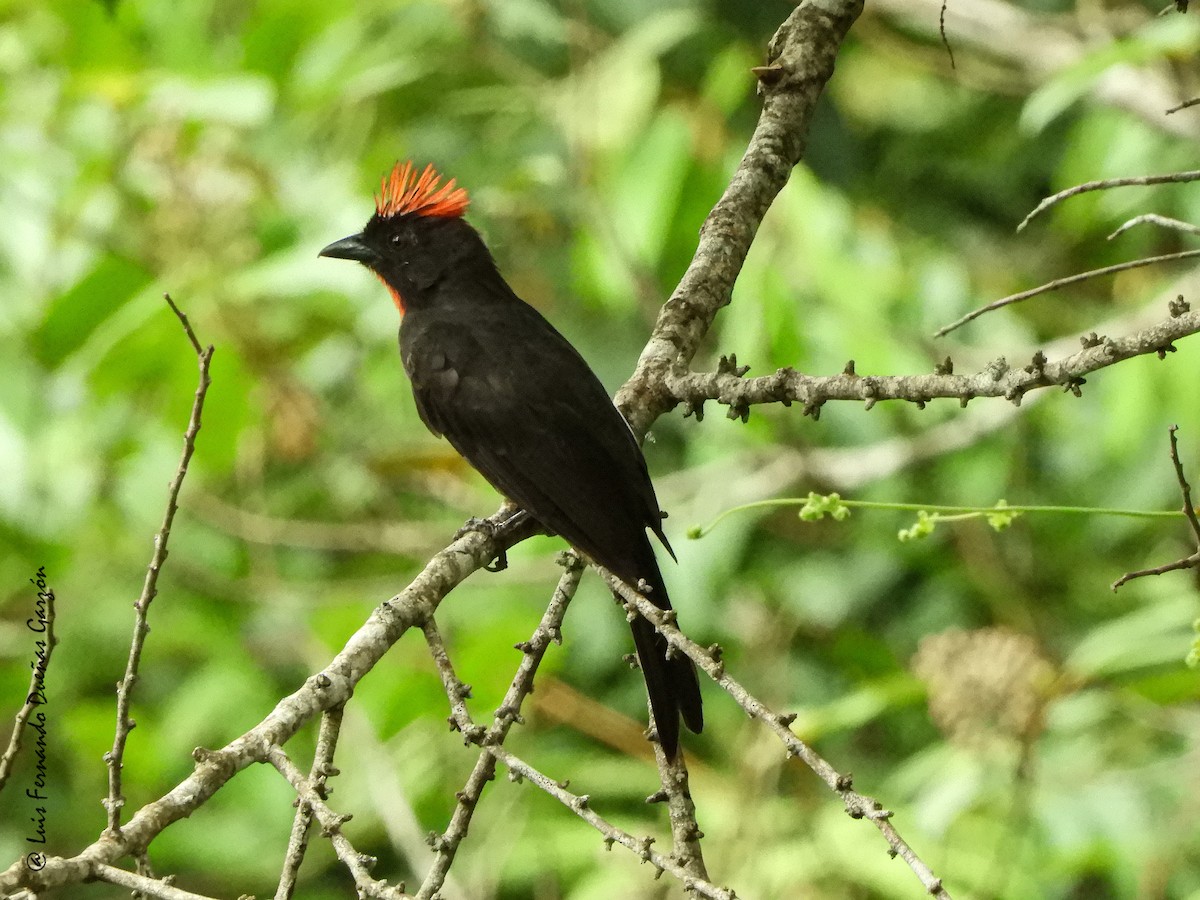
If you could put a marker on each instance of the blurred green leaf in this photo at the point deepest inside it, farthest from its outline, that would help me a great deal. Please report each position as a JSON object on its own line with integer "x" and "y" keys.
{"x": 75, "y": 314}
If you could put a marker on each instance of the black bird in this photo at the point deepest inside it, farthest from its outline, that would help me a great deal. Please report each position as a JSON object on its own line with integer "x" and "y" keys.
{"x": 515, "y": 399}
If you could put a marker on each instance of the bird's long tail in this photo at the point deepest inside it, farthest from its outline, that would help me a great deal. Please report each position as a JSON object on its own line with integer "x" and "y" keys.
{"x": 670, "y": 682}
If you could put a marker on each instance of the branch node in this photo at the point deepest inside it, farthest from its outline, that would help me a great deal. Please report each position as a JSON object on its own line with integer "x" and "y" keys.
{"x": 646, "y": 842}
{"x": 768, "y": 76}
{"x": 945, "y": 367}
{"x": 728, "y": 365}
{"x": 1179, "y": 307}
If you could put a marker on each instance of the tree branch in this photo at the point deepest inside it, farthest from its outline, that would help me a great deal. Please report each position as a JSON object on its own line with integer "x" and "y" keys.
{"x": 1104, "y": 185}
{"x": 359, "y": 864}
{"x": 800, "y": 60}
{"x": 1066, "y": 281}
{"x": 998, "y": 379}
{"x": 115, "y": 757}
{"x": 322, "y": 769}
{"x": 34, "y": 697}
{"x": 858, "y": 806}
{"x": 580, "y": 805}
{"x": 547, "y": 632}
{"x": 1187, "y": 562}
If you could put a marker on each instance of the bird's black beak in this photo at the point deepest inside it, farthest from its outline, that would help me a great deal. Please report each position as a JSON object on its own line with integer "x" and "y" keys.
{"x": 349, "y": 248}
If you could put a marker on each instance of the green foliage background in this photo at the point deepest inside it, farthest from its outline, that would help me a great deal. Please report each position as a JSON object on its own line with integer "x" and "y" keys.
{"x": 210, "y": 149}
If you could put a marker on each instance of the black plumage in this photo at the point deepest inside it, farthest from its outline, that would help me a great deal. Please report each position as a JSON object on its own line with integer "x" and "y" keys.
{"x": 515, "y": 399}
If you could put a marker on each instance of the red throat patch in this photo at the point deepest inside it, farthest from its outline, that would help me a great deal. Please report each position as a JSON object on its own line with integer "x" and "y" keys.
{"x": 396, "y": 298}
{"x": 403, "y": 192}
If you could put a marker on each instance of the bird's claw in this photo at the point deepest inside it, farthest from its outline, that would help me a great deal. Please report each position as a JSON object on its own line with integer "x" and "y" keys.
{"x": 484, "y": 526}
{"x": 499, "y": 564}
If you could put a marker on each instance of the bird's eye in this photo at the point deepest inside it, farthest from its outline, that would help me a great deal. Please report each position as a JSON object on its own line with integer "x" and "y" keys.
{"x": 395, "y": 238}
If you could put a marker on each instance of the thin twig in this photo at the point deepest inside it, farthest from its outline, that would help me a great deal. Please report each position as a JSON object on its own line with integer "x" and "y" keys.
{"x": 1161, "y": 221}
{"x": 322, "y": 769}
{"x": 858, "y": 806}
{"x": 1104, "y": 185}
{"x": 456, "y": 690}
{"x": 580, "y": 805}
{"x": 161, "y": 889}
{"x": 1184, "y": 105}
{"x": 681, "y": 811}
{"x": 329, "y": 688}
{"x": 1189, "y": 510}
{"x": 115, "y": 757}
{"x": 1065, "y": 282}
{"x": 942, "y": 32}
{"x": 358, "y": 864}
{"x": 547, "y": 632}
{"x": 998, "y": 379}
{"x": 35, "y": 696}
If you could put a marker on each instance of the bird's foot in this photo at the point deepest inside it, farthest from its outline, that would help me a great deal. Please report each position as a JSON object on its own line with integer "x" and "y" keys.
{"x": 485, "y": 527}
{"x": 499, "y": 564}
{"x": 508, "y": 527}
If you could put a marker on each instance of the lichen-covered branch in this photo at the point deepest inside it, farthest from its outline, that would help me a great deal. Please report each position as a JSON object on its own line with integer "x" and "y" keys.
{"x": 1012, "y": 382}
{"x": 708, "y": 659}
{"x": 800, "y": 60}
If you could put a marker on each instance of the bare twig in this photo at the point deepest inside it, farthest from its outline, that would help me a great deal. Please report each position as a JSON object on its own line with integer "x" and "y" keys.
{"x": 161, "y": 889}
{"x": 998, "y": 379}
{"x": 35, "y": 696}
{"x": 1160, "y": 221}
{"x": 800, "y": 59}
{"x": 1064, "y": 282}
{"x": 115, "y": 757}
{"x": 329, "y": 688}
{"x": 580, "y": 805}
{"x": 358, "y": 864}
{"x": 858, "y": 806}
{"x": 1105, "y": 184}
{"x": 321, "y": 770}
{"x": 942, "y": 32}
{"x": 456, "y": 690}
{"x": 547, "y": 632}
{"x": 685, "y": 829}
{"x": 1189, "y": 510}
{"x": 1184, "y": 105}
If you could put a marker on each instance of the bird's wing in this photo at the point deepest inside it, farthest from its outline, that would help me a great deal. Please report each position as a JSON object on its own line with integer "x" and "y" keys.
{"x": 542, "y": 430}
